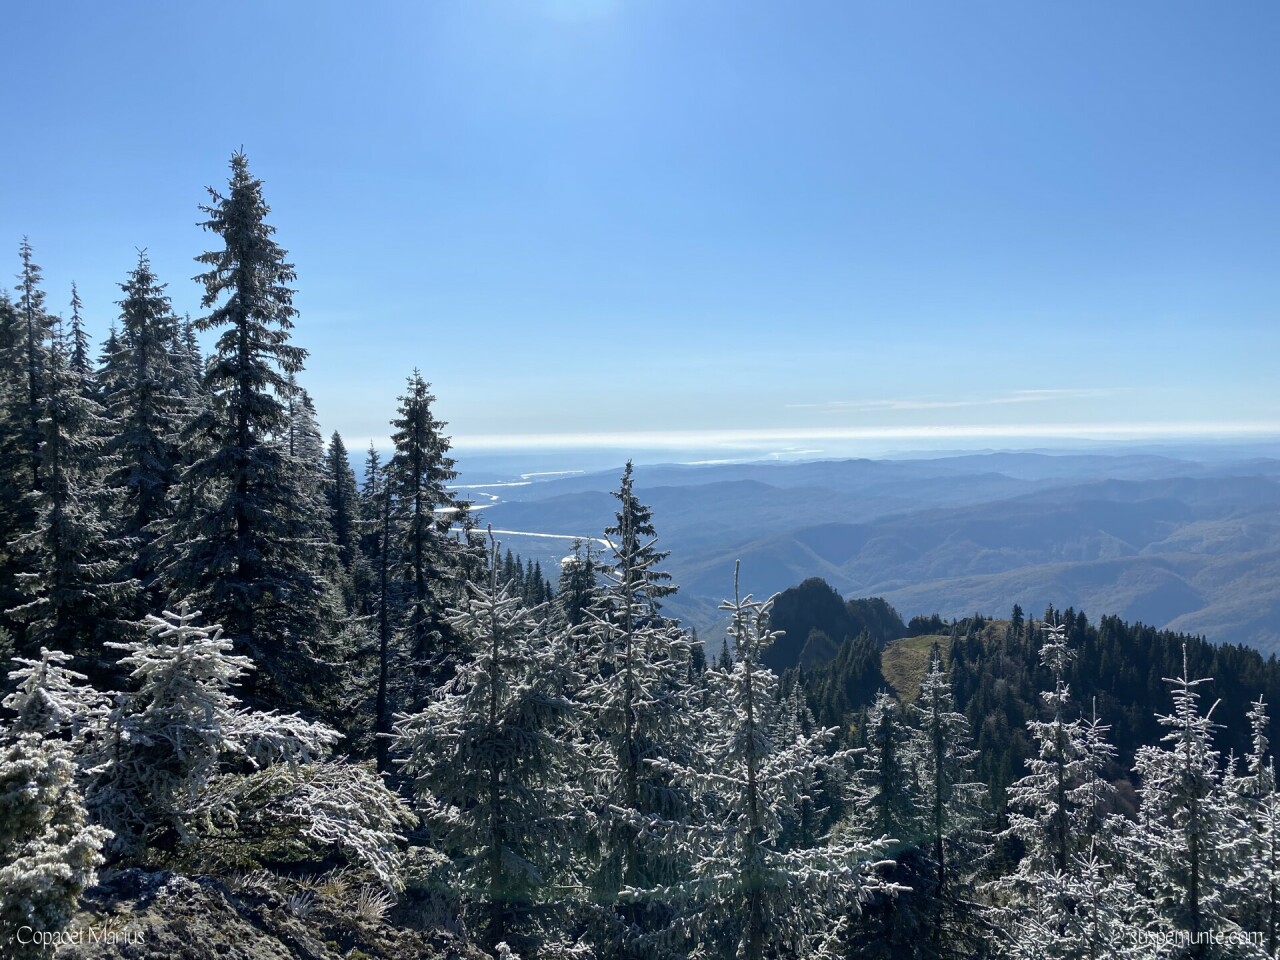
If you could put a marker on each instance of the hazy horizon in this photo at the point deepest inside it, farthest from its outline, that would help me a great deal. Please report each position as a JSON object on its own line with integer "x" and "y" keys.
{"x": 847, "y": 226}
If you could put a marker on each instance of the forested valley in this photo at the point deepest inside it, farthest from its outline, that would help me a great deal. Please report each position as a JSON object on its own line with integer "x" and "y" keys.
{"x": 257, "y": 705}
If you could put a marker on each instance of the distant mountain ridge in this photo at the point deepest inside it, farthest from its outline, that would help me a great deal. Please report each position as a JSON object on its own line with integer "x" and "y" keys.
{"x": 1187, "y": 545}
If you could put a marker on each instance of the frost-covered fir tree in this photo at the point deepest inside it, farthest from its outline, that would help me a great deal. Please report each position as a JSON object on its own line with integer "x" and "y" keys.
{"x": 1184, "y": 844}
{"x": 29, "y": 358}
{"x": 1041, "y": 814}
{"x": 577, "y": 589}
{"x": 634, "y": 532}
{"x": 1058, "y": 816}
{"x": 377, "y": 544}
{"x": 48, "y": 851}
{"x": 637, "y": 696}
{"x": 17, "y": 511}
{"x": 343, "y": 501}
{"x": 1081, "y": 915}
{"x": 78, "y": 341}
{"x": 51, "y": 699}
{"x": 74, "y": 586}
{"x": 747, "y": 894}
{"x": 243, "y": 545}
{"x": 888, "y": 807}
{"x": 952, "y": 816}
{"x": 1254, "y": 900}
{"x": 492, "y": 763}
{"x": 1093, "y": 796}
{"x": 167, "y": 739}
{"x": 143, "y": 395}
{"x": 1261, "y": 881}
{"x": 423, "y": 509}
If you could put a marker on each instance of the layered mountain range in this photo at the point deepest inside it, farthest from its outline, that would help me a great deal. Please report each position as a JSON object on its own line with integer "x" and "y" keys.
{"x": 1189, "y": 543}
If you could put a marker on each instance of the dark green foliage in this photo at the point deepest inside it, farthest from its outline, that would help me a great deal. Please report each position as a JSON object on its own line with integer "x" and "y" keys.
{"x": 74, "y": 587}
{"x": 79, "y": 340}
{"x": 423, "y": 509}
{"x": 247, "y": 547}
{"x": 490, "y": 756}
{"x": 997, "y": 676}
{"x": 921, "y": 626}
{"x": 143, "y": 395}
{"x": 633, "y": 535}
{"x": 526, "y": 579}
{"x": 816, "y": 606}
{"x": 847, "y": 682}
{"x": 343, "y": 501}
{"x": 30, "y": 360}
{"x": 17, "y": 513}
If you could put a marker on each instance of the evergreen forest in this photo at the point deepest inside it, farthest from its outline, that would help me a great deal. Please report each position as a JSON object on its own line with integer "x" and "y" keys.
{"x": 259, "y": 703}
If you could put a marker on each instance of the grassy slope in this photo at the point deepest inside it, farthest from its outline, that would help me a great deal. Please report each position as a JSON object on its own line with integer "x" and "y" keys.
{"x": 905, "y": 662}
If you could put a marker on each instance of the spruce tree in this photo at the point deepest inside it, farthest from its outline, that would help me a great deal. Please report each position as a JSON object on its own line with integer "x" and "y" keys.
{"x": 79, "y": 345}
{"x": 889, "y": 807}
{"x": 1041, "y": 815}
{"x": 190, "y": 352}
{"x": 17, "y": 508}
{"x": 143, "y": 395}
{"x": 376, "y": 507}
{"x": 748, "y": 894}
{"x": 491, "y": 760}
{"x": 31, "y": 352}
{"x": 1255, "y": 901}
{"x": 168, "y": 738}
{"x": 74, "y": 586}
{"x": 244, "y": 545}
{"x": 51, "y": 699}
{"x": 1066, "y": 894}
{"x": 343, "y": 501}
{"x": 577, "y": 589}
{"x": 633, "y": 534}
{"x": 637, "y": 693}
{"x": 423, "y": 510}
{"x": 49, "y": 853}
{"x": 1184, "y": 843}
{"x": 952, "y": 817}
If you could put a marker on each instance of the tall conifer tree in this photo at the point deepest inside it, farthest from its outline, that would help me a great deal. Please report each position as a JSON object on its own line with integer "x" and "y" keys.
{"x": 953, "y": 813}
{"x": 246, "y": 549}
{"x": 638, "y": 696}
{"x": 79, "y": 345}
{"x": 74, "y": 586}
{"x": 492, "y": 758}
{"x": 1184, "y": 847}
{"x": 343, "y": 500}
{"x": 17, "y": 514}
{"x": 424, "y": 509}
{"x": 749, "y": 894}
{"x": 375, "y": 501}
{"x": 31, "y": 354}
{"x": 144, "y": 398}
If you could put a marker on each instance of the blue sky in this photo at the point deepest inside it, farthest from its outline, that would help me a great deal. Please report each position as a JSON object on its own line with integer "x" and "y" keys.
{"x": 695, "y": 222}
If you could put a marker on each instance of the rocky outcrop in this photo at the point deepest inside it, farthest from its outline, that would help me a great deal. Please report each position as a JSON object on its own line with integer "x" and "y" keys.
{"x": 138, "y": 915}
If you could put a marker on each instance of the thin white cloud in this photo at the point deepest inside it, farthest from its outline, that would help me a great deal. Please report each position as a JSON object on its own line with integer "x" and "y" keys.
{"x": 771, "y": 437}
{"x": 1017, "y": 396}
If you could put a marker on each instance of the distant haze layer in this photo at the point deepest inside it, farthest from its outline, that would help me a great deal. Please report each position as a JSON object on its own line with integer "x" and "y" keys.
{"x": 1181, "y": 537}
